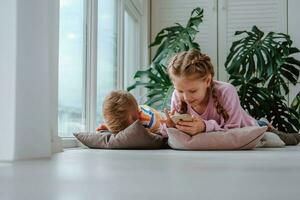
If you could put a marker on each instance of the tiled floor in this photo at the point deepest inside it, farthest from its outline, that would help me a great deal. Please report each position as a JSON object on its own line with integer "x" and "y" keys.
{"x": 267, "y": 174}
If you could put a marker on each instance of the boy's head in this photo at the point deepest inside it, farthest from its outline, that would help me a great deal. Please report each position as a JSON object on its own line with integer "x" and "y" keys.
{"x": 120, "y": 109}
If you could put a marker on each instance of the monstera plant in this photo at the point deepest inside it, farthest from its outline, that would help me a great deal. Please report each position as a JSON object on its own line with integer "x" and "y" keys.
{"x": 260, "y": 66}
{"x": 169, "y": 40}
{"x": 296, "y": 104}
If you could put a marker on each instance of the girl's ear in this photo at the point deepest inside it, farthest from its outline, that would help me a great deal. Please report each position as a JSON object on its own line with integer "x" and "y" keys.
{"x": 208, "y": 80}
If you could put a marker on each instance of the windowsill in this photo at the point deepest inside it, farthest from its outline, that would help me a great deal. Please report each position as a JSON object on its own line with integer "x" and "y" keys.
{"x": 70, "y": 142}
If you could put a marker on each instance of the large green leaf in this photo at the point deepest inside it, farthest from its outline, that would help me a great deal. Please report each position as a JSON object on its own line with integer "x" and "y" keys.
{"x": 169, "y": 40}
{"x": 254, "y": 99}
{"x": 177, "y": 38}
{"x": 158, "y": 83}
{"x": 260, "y": 66}
{"x": 296, "y": 104}
{"x": 284, "y": 118}
{"x": 258, "y": 102}
{"x": 266, "y": 57}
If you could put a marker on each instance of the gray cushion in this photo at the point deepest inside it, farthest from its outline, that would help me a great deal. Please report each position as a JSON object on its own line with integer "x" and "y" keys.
{"x": 133, "y": 137}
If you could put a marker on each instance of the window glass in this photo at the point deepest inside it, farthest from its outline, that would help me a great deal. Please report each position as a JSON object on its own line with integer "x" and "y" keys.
{"x": 71, "y": 91}
{"x": 107, "y": 52}
{"x": 131, "y": 54}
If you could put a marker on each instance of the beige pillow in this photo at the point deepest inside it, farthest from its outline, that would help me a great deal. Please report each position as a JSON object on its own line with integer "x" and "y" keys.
{"x": 232, "y": 139}
{"x": 270, "y": 139}
{"x": 133, "y": 137}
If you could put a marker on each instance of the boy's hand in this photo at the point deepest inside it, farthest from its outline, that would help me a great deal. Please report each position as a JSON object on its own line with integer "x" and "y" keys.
{"x": 102, "y": 127}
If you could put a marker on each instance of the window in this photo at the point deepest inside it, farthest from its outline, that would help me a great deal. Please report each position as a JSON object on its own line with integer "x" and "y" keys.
{"x": 76, "y": 68}
{"x": 132, "y": 49}
{"x": 131, "y": 52}
{"x": 71, "y": 91}
{"x": 107, "y": 52}
{"x": 99, "y": 51}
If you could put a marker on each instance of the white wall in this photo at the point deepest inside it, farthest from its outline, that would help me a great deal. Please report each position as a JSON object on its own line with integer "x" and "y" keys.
{"x": 293, "y": 22}
{"x": 294, "y": 32}
{"x": 53, "y": 8}
{"x": 7, "y": 77}
{"x": 27, "y": 75}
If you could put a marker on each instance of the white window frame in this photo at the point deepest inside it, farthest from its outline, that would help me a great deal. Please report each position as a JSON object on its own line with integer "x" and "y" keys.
{"x": 90, "y": 76}
{"x": 91, "y": 64}
{"x": 135, "y": 8}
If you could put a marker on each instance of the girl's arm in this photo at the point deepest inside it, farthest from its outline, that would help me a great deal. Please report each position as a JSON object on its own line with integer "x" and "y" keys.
{"x": 238, "y": 117}
{"x": 191, "y": 128}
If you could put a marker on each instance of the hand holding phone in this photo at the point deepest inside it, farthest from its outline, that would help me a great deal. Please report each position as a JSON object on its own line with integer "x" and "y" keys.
{"x": 181, "y": 117}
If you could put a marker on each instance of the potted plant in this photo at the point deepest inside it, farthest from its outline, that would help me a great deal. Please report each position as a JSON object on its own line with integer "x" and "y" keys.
{"x": 169, "y": 40}
{"x": 258, "y": 65}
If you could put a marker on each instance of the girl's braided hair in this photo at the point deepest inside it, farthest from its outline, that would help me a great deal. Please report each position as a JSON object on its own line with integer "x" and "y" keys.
{"x": 194, "y": 63}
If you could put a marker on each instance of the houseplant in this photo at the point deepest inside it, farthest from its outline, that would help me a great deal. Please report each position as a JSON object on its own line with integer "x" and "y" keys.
{"x": 259, "y": 66}
{"x": 169, "y": 40}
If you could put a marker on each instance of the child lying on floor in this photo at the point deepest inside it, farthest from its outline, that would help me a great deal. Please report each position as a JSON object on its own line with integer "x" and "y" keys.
{"x": 120, "y": 109}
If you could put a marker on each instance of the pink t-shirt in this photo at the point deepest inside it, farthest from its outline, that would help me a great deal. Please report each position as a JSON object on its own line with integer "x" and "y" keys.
{"x": 229, "y": 99}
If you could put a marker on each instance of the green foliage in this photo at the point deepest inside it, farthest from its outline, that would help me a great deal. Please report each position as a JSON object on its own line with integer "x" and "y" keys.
{"x": 296, "y": 104}
{"x": 169, "y": 40}
{"x": 261, "y": 66}
{"x": 177, "y": 38}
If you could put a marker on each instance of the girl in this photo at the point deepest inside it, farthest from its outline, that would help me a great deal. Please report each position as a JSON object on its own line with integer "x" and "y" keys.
{"x": 213, "y": 104}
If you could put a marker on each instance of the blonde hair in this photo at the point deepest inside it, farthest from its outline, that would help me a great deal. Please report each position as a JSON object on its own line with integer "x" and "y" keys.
{"x": 194, "y": 63}
{"x": 117, "y": 109}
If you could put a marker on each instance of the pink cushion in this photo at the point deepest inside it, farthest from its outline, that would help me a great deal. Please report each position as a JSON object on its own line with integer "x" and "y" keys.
{"x": 232, "y": 139}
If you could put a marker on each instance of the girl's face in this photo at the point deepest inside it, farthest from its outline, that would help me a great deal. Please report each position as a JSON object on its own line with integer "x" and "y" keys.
{"x": 191, "y": 90}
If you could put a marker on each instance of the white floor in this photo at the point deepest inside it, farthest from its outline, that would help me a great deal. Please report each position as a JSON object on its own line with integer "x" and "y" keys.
{"x": 155, "y": 174}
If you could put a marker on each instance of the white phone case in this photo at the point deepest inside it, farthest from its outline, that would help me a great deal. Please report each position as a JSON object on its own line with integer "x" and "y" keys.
{"x": 181, "y": 117}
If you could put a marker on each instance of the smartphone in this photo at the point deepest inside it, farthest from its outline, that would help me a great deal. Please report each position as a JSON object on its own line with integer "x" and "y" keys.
{"x": 181, "y": 117}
